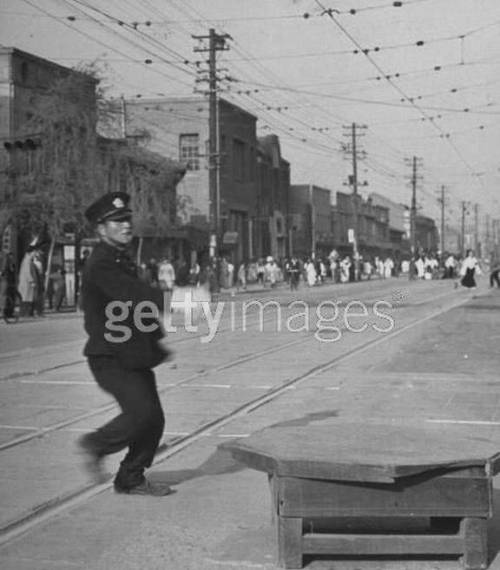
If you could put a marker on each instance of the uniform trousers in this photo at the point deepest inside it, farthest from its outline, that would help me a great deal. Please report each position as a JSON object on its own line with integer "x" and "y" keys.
{"x": 140, "y": 425}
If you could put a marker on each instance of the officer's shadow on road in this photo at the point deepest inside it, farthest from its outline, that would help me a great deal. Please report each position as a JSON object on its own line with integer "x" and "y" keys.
{"x": 220, "y": 462}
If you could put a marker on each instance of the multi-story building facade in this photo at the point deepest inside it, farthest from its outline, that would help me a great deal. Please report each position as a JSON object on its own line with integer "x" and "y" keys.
{"x": 253, "y": 178}
{"x": 53, "y": 162}
{"x": 272, "y": 208}
{"x": 426, "y": 234}
{"x": 180, "y": 128}
{"x": 354, "y": 216}
{"x": 26, "y": 81}
{"x": 311, "y": 223}
{"x": 399, "y": 235}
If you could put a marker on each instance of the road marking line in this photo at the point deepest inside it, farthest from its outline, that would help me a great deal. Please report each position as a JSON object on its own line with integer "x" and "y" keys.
{"x": 4, "y": 426}
{"x": 206, "y": 386}
{"x": 50, "y": 407}
{"x": 16, "y": 528}
{"x": 466, "y": 422}
{"x": 233, "y": 435}
{"x": 59, "y": 382}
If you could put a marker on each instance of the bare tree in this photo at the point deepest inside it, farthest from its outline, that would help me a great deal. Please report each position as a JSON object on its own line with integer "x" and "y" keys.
{"x": 71, "y": 164}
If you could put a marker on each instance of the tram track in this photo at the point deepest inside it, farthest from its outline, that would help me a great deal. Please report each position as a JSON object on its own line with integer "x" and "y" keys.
{"x": 43, "y": 512}
{"x": 41, "y": 432}
{"x": 174, "y": 341}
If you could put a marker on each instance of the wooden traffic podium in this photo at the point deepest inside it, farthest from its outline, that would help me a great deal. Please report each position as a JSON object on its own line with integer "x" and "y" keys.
{"x": 362, "y": 478}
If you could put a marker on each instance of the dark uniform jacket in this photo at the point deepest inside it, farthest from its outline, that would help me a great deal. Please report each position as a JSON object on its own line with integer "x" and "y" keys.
{"x": 110, "y": 276}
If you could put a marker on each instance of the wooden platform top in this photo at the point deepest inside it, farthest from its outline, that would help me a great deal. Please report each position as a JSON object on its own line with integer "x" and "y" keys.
{"x": 362, "y": 452}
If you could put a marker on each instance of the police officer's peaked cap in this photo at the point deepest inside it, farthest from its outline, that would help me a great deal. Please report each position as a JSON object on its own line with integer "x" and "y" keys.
{"x": 111, "y": 206}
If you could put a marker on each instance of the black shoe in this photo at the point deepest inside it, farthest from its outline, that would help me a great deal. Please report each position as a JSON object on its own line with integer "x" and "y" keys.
{"x": 92, "y": 461}
{"x": 147, "y": 488}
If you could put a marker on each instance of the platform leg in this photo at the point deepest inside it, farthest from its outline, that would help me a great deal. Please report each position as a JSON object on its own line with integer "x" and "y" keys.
{"x": 474, "y": 532}
{"x": 289, "y": 542}
{"x": 273, "y": 488}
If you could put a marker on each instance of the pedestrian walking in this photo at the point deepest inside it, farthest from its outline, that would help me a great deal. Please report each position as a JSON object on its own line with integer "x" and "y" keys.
{"x": 293, "y": 270}
{"x": 194, "y": 273}
{"x": 388, "y": 267}
{"x": 241, "y": 280}
{"x": 449, "y": 267}
{"x": 59, "y": 288}
{"x": 56, "y": 292}
{"x": 27, "y": 283}
{"x": 271, "y": 272}
{"x": 367, "y": 269}
{"x": 468, "y": 270}
{"x": 166, "y": 275}
{"x": 261, "y": 270}
{"x": 122, "y": 364}
{"x": 345, "y": 268}
{"x": 310, "y": 273}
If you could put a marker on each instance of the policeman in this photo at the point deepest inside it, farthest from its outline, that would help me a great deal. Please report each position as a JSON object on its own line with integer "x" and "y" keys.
{"x": 122, "y": 350}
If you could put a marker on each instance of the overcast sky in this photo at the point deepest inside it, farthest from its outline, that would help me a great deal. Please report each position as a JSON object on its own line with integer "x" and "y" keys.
{"x": 293, "y": 65}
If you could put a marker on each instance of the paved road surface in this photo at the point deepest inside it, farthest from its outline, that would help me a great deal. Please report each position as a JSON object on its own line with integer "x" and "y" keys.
{"x": 428, "y": 353}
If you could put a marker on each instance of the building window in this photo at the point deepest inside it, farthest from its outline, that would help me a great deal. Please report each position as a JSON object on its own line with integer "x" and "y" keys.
{"x": 24, "y": 72}
{"x": 189, "y": 152}
{"x": 239, "y": 159}
{"x": 252, "y": 167}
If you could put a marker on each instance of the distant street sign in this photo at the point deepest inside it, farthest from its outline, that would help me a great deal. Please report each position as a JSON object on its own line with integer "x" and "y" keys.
{"x": 230, "y": 238}
{"x": 350, "y": 235}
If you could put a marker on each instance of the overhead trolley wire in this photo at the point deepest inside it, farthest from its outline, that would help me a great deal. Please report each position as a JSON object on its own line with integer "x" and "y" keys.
{"x": 395, "y": 86}
{"x": 100, "y": 42}
{"x": 148, "y": 39}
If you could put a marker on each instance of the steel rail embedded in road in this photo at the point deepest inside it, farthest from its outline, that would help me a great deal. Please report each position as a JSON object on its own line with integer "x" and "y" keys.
{"x": 46, "y": 511}
{"x": 174, "y": 341}
{"x": 197, "y": 375}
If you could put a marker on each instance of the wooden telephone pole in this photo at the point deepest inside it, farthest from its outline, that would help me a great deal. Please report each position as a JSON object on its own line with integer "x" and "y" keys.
{"x": 216, "y": 42}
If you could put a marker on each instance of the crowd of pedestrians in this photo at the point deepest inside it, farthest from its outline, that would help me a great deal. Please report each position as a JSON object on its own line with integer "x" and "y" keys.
{"x": 35, "y": 292}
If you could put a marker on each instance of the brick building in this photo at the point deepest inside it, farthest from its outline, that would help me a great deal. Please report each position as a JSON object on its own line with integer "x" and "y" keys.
{"x": 399, "y": 232}
{"x": 271, "y": 236}
{"x": 52, "y": 158}
{"x": 253, "y": 177}
{"x": 311, "y": 221}
{"x": 373, "y": 232}
{"x": 25, "y": 84}
{"x": 179, "y": 128}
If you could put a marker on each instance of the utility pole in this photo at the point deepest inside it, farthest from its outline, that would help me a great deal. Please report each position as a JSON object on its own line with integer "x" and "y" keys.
{"x": 413, "y": 210}
{"x": 216, "y": 42}
{"x": 123, "y": 117}
{"x": 354, "y": 182}
{"x": 415, "y": 161}
{"x": 487, "y": 235}
{"x": 442, "y": 202}
{"x": 477, "y": 247}
{"x": 413, "y": 213}
{"x": 462, "y": 230}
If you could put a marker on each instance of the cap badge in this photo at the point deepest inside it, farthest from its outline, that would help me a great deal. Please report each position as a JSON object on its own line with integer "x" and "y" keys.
{"x": 118, "y": 203}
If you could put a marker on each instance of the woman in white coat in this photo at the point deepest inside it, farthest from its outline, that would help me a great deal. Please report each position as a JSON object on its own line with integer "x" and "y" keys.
{"x": 27, "y": 283}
